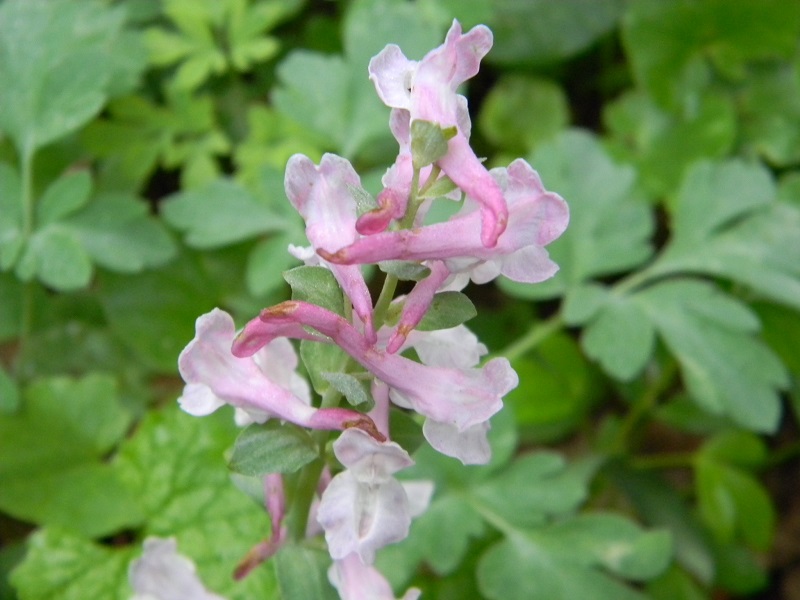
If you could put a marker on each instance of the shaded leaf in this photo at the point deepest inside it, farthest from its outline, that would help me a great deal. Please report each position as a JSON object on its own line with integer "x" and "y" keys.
{"x": 536, "y": 31}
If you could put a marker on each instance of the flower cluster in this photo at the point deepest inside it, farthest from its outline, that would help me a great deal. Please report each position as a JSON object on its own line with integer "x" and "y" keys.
{"x": 505, "y": 219}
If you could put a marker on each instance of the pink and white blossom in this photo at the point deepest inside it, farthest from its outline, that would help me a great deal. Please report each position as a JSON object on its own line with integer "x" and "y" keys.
{"x": 428, "y": 91}
{"x": 364, "y": 507}
{"x": 536, "y": 218}
{"x": 460, "y": 397}
{"x": 356, "y": 581}
{"x": 163, "y": 574}
{"x": 323, "y": 197}
{"x": 215, "y": 377}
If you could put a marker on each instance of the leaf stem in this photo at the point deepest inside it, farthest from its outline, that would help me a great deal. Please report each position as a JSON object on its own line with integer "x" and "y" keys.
{"x": 385, "y": 298}
{"x": 534, "y": 336}
{"x": 26, "y": 310}
{"x": 642, "y": 407}
{"x": 666, "y": 460}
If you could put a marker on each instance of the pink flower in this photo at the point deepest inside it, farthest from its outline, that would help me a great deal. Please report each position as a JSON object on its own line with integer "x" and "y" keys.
{"x": 356, "y": 581}
{"x": 427, "y": 90}
{"x": 459, "y": 397}
{"x": 215, "y": 377}
{"x": 457, "y": 348}
{"x": 536, "y": 218}
{"x": 275, "y": 501}
{"x": 323, "y": 197}
{"x": 364, "y": 508}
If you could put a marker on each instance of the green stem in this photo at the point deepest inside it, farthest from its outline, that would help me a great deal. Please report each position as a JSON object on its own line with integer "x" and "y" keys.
{"x": 642, "y": 407}
{"x": 535, "y": 336}
{"x": 28, "y": 224}
{"x": 385, "y": 298}
{"x": 413, "y": 202}
{"x": 667, "y": 460}
{"x": 308, "y": 479}
{"x": 432, "y": 177}
{"x": 304, "y": 490}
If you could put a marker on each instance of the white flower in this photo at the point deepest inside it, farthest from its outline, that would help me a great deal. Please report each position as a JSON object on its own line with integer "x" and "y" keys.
{"x": 364, "y": 507}
{"x": 163, "y": 574}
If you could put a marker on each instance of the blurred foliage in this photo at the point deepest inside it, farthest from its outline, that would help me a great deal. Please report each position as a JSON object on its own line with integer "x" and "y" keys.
{"x": 651, "y": 448}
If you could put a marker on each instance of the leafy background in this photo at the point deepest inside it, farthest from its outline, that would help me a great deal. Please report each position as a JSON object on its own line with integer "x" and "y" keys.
{"x": 651, "y": 450}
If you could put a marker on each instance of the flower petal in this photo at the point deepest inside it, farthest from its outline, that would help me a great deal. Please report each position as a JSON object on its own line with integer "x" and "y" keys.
{"x": 163, "y": 574}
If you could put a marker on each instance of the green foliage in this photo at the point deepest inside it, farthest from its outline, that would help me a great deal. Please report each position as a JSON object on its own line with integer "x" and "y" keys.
{"x": 67, "y": 427}
{"x": 142, "y": 149}
{"x": 448, "y": 309}
{"x": 83, "y": 56}
{"x": 541, "y": 31}
{"x": 271, "y": 448}
{"x": 212, "y": 37}
{"x": 521, "y": 112}
{"x": 351, "y": 118}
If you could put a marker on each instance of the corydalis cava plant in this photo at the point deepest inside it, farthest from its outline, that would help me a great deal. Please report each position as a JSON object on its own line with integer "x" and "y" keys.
{"x": 505, "y": 219}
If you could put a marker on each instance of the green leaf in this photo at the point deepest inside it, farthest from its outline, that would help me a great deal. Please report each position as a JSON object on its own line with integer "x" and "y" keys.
{"x": 429, "y": 142}
{"x": 663, "y": 506}
{"x": 9, "y": 394}
{"x": 219, "y": 214}
{"x": 175, "y": 462}
{"x": 727, "y": 224}
{"x": 534, "y": 488}
{"x": 65, "y": 428}
{"x": 739, "y": 448}
{"x": 556, "y": 390}
{"x": 440, "y": 536}
{"x": 356, "y": 391}
{"x": 11, "y": 240}
{"x": 405, "y": 270}
{"x": 138, "y": 134}
{"x": 538, "y": 31}
{"x": 725, "y": 369}
{"x": 268, "y": 260}
{"x": 520, "y": 112}
{"x": 583, "y": 302}
{"x": 272, "y": 138}
{"x": 79, "y": 60}
{"x": 153, "y": 313}
{"x": 538, "y": 565}
{"x": 664, "y": 144}
{"x": 620, "y": 337}
{"x": 316, "y": 285}
{"x": 62, "y": 566}
{"x": 118, "y": 233}
{"x": 734, "y": 504}
{"x": 769, "y": 105}
{"x": 352, "y": 117}
{"x": 320, "y": 359}
{"x": 63, "y": 197}
{"x": 272, "y": 448}
{"x": 739, "y": 570}
{"x": 675, "y": 584}
{"x": 302, "y": 573}
{"x": 55, "y": 257}
{"x": 666, "y": 40}
{"x": 448, "y": 309}
{"x": 613, "y": 542}
{"x": 609, "y": 226}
